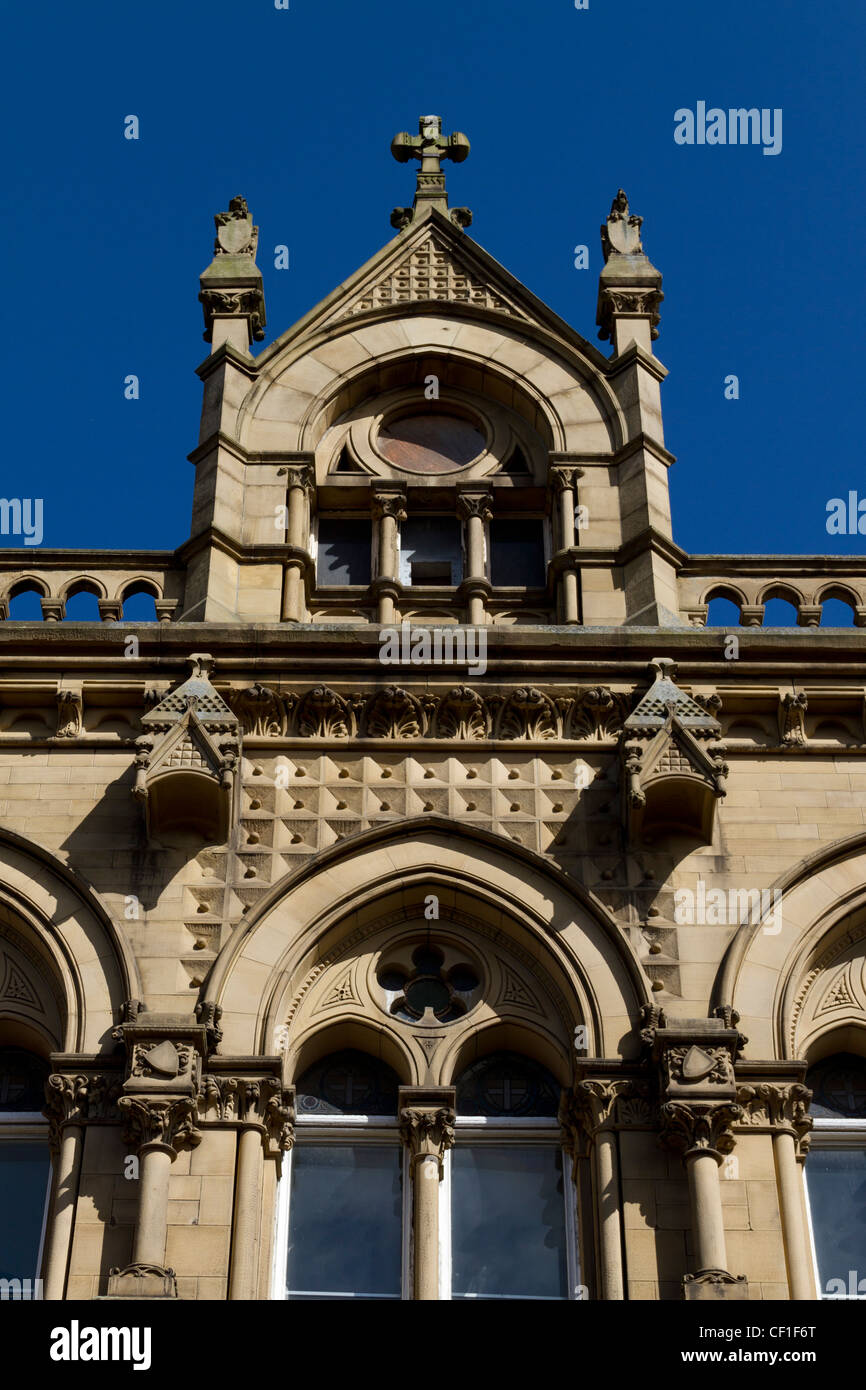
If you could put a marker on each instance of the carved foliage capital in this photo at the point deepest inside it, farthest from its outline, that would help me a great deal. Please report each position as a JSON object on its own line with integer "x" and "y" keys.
{"x": 79, "y": 1099}
{"x": 391, "y": 504}
{"x": 427, "y": 1132}
{"x": 782, "y": 1107}
{"x": 252, "y": 1102}
{"x": 164, "y": 1122}
{"x": 564, "y": 478}
{"x": 300, "y": 475}
{"x": 475, "y": 504}
{"x": 694, "y": 1127}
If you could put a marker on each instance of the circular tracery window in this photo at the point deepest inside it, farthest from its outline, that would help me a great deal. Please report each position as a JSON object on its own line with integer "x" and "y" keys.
{"x": 429, "y": 982}
{"x": 430, "y": 443}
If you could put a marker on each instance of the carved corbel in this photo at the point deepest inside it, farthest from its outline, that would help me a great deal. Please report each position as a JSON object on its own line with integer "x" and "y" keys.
{"x": 70, "y": 713}
{"x": 792, "y": 719}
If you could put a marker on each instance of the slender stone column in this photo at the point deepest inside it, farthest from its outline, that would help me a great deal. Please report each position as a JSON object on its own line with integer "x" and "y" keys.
{"x": 701, "y": 1132}
{"x": 783, "y": 1109}
{"x": 154, "y": 1171}
{"x": 299, "y": 484}
{"x": 66, "y": 1101}
{"x": 610, "y": 1225}
{"x": 64, "y": 1195}
{"x": 705, "y": 1200}
{"x": 588, "y": 1116}
{"x": 475, "y": 508}
{"x": 248, "y": 1201}
{"x": 267, "y": 1117}
{"x": 427, "y": 1128}
{"x": 389, "y": 508}
{"x": 565, "y": 480}
{"x": 790, "y": 1181}
{"x": 158, "y": 1127}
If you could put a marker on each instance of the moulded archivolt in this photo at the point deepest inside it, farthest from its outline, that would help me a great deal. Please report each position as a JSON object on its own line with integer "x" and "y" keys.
{"x": 831, "y": 996}
{"x": 491, "y": 980}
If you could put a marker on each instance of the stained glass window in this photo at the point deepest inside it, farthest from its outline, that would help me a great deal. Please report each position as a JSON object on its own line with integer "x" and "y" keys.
{"x": 348, "y": 1083}
{"x": 839, "y": 1087}
{"x": 507, "y": 1084}
{"x": 22, "y": 1080}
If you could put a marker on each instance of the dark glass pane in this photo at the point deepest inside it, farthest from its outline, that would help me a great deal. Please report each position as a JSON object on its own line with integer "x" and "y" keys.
{"x": 431, "y": 541}
{"x": 839, "y": 1086}
{"x": 24, "y": 1165}
{"x": 348, "y": 1083}
{"x": 517, "y": 552}
{"x": 344, "y": 551}
{"x": 346, "y": 1221}
{"x": 22, "y": 1079}
{"x": 837, "y": 1197}
{"x": 507, "y": 1084}
{"x": 507, "y": 1222}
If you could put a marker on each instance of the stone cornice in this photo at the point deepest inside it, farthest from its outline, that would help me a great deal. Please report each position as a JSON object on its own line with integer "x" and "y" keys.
{"x": 634, "y": 355}
{"x": 227, "y": 352}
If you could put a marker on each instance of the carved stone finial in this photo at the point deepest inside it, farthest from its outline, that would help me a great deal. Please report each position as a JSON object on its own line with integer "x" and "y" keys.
{"x": 620, "y": 235}
{"x": 630, "y": 287}
{"x": 430, "y": 146}
{"x": 231, "y": 287}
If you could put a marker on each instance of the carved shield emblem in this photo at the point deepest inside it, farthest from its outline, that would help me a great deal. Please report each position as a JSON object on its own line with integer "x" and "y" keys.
{"x": 235, "y": 236}
{"x": 697, "y": 1064}
{"x": 625, "y": 236}
{"x": 164, "y": 1059}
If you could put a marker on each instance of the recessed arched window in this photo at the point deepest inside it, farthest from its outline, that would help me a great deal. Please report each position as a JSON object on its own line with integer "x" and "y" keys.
{"x": 348, "y": 1083}
{"x": 511, "y": 1198}
{"x": 24, "y": 1167}
{"x": 341, "y": 1213}
{"x": 506, "y": 1084}
{"x": 836, "y": 1174}
{"x": 506, "y": 1198}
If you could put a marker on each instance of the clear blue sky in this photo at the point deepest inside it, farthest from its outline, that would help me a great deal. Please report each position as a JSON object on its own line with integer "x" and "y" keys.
{"x": 105, "y": 238}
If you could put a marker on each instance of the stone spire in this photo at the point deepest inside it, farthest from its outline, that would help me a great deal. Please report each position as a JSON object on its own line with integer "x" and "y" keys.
{"x": 430, "y": 146}
{"x": 630, "y": 287}
{"x": 232, "y": 295}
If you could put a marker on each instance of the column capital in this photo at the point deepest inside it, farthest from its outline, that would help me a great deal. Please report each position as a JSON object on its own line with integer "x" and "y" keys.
{"x": 477, "y": 502}
{"x": 780, "y": 1108}
{"x": 388, "y": 503}
{"x": 160, "y": 1122}
{"x": 300, "y": 475}
{"x": 564, "y": 477}
{"x": 251, "y": 1102}
{"x": 692, "y": 1128}
{"x": 427, "y": 1118}
{"x": 79, "y": 1097}
{"x": 594, "y": 1104}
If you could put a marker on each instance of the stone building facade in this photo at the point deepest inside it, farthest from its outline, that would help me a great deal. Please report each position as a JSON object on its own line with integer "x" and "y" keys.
{"x": 428, "y": 901}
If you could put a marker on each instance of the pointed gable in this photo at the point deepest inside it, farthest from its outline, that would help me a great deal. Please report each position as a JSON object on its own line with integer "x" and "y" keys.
{"x": 673, "y": 763}
{"x": 186, "y": 759}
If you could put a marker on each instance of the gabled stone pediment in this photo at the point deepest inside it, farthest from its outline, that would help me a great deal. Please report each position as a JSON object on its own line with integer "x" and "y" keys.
{"x": 429, "y": 264}
{"x": 186, "y": 760}
{"x": 431, "y": 267}
{"x": 673, "y": 761}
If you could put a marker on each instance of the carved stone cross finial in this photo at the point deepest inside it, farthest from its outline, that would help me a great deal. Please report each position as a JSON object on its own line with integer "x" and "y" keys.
{"x": 430, "y": 147}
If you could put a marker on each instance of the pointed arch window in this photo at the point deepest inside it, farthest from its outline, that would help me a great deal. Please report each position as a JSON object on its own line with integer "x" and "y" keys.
{"x": 506, "y": 1200}
{"x": 836, "y": 1175}
{"x": 25, "y": 1168}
